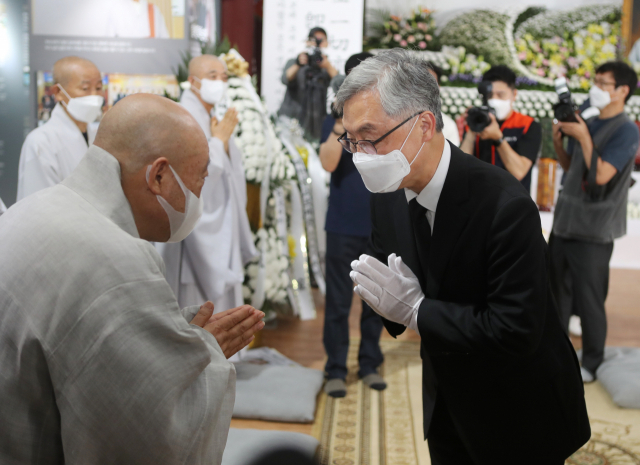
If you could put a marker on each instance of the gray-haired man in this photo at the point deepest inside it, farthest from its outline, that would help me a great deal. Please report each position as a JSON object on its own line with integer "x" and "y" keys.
{"x": 500, "y": 378}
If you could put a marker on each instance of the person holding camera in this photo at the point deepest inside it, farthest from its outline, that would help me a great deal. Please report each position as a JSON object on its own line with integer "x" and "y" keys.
{"x": 512, "y": 140}
{"x": 307, "y": 78}
{"x": 348, "y": 228}
{"x": 592, "y": 208}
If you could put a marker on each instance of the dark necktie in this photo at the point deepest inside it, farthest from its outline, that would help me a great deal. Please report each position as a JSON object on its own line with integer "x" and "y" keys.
{"x": 422, "y": 234}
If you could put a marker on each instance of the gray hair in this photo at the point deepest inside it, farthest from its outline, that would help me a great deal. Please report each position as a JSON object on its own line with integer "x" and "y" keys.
{"x": 403, "y": 81}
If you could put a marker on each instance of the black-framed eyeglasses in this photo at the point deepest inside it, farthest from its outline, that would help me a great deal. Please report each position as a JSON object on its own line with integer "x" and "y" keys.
{"x": 368, "y": 146}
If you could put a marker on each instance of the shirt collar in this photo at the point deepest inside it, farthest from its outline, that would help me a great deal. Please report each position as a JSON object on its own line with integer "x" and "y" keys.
{"x": 97, "y": 179}
{"x": 430, "y": 195}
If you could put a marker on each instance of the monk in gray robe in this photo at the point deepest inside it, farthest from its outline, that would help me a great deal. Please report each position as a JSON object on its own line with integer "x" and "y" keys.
{"x": 99, "y": 365}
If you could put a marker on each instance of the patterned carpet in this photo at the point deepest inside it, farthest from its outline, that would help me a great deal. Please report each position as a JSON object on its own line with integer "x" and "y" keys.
{"x": 371, "y": 428}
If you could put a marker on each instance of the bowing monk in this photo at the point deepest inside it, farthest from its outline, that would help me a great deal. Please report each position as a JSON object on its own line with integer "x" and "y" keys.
{"x": 99, "y": 363}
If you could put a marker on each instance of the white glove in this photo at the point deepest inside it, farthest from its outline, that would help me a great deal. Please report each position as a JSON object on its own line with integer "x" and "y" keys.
{"x": 392, "y": 291}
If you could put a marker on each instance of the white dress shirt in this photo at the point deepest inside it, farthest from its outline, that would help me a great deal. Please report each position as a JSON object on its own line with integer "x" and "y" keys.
{"x": 450, "y": 130}
{"x": 430, "y": 195}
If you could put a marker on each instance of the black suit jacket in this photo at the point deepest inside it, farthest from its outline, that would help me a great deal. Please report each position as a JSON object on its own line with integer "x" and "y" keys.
{"x": 493, "y": 348}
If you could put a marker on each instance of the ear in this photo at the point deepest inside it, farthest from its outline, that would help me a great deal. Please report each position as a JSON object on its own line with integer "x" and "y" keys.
{"x": 158, "y": 176}
{"x": 515, "y": 94}
{"x": 625, "y": 92}
{"x": 427, "y": 125}
{"x": 193, "y": 82}
{"x": 58, "y": 95}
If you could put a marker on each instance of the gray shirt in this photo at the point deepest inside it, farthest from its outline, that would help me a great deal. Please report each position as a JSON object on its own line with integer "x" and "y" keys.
{"x": 305, "y": 99}
{"x": 593, "y": 213}
{"x": 99, "y": 365}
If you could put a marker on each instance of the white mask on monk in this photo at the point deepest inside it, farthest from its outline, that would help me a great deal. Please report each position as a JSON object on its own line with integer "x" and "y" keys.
{"x": 211, "y": 91}
{"x": 182, "y": 223}
{"x": 85, "y": 109}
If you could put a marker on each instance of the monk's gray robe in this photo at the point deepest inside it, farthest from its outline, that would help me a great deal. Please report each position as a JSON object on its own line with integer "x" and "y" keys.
{"x": 98, "y": 365}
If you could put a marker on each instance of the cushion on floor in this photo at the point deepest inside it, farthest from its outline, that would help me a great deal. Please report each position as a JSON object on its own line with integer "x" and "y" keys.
{"x": 276, "y": 393}
{"x": 620, "y": 375}
{"x": 244, "y": 446}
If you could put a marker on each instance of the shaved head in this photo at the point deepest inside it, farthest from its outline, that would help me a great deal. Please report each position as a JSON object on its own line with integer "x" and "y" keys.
{"x": 156, "y": 142}
{"x": 68, "y": 68}
{"x": 143, "y": 127}
{"x": 204, "y": 65}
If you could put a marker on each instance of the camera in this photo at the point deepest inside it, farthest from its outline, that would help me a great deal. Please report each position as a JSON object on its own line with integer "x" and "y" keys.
{"x": 565, "y": 109}
{"x": 478, "y": 117}
{"x": 315, "y": 54}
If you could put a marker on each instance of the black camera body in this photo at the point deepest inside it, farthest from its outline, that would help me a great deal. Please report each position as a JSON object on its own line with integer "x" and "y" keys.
{"x": 315, "y": 54}
{"x": 565, "y": 109}
{"x": 478, "y": 117}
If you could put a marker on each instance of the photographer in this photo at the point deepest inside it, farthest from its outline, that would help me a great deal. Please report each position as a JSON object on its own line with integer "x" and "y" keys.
{"x": 592, "y": 208}
{"x": 512, "y": 140}
{"x": 307, "y": 78}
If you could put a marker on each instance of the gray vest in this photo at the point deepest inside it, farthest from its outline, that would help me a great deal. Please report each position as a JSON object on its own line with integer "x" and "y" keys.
{"x": 586, "y": 211}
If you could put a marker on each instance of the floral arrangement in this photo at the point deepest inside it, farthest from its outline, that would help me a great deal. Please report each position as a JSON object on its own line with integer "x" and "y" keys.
{"x": 633, "y": 211}
{"x": 277, "y": 265}
{"x": 553, "y": 23}
{"x": 463, "y": 66}
{"x": 236, "y": 65}
{"x": 575, "y": 55}
{"x": 481, "y": 33}
{"x": 250, "y": 137}
{"x": 253, "y": 134}
{"x": 417, "y": 32}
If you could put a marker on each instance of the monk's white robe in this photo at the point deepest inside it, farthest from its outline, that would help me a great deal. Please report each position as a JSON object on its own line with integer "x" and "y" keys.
{"x": 209, "y": 263}
{"x": 3, "y": 207}
{"x": 98, "y": 363}
{"x": 51, "y": 152}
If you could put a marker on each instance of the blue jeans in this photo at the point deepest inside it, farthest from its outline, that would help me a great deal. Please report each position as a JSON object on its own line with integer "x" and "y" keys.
{"x": 341, "y": 251}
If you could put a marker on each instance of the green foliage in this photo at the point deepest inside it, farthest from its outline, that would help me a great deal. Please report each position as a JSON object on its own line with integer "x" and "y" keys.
{"x": 528, "y": 13}
{"x": 217, "y": 48}
{"x": 170, "y": 97}
{"x": 480, "y": 32}
{"x": 182, "y": 73}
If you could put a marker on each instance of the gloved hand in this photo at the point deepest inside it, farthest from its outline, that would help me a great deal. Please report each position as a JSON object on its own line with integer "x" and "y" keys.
{"x": 392, "y": 291}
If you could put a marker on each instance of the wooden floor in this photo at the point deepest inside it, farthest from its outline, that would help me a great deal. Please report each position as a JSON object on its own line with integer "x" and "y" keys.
{"x": 302, "y": 340}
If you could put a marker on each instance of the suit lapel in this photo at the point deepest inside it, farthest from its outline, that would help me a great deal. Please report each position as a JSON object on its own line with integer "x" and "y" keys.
{"x": 450, "y": 220}
{"x": 406, "y": 239}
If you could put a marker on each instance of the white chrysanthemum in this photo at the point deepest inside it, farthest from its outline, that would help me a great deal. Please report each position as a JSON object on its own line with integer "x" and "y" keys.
{"x": 246, "y": 292}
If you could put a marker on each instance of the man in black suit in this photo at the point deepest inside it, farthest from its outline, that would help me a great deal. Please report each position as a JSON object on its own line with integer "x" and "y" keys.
{"x": 457, "y": 254}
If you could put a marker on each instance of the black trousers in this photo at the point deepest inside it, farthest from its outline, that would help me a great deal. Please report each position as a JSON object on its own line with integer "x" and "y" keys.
{"x": 447, "y": 446}
{"x": 580, "y": 282}
{"x": 341, "y": 251}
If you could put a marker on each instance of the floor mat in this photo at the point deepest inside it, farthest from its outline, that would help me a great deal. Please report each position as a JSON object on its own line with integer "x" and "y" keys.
{"x": 385, "y": 428}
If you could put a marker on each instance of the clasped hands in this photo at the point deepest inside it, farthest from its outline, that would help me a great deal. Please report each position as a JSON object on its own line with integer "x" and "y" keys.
{"x": 393, "y": 291}
{"x": 224, "y": 129}
{"x": 234, "y": 329}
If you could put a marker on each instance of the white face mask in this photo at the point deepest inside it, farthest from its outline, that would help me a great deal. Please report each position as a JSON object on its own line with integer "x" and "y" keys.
{"x": 181, "y": 223}
{"x": 212, "y": 92}
{"x": 599, "y": 98}
{"x": 384, "y": 173}
{"x": 502, "y": 107}
{"x": 84, "y": 109}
